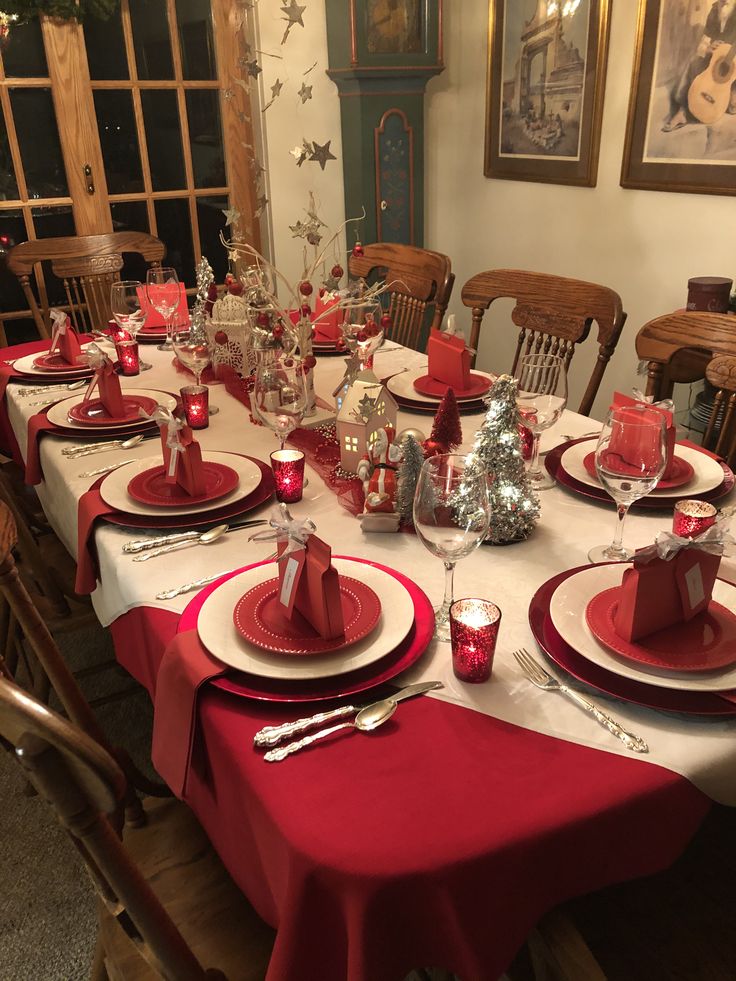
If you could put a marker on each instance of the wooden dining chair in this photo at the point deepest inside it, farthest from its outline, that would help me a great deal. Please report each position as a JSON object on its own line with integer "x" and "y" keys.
{"x": 87, "y": 265}
{"x": 419, "y": 285}
{"x": 720, "y": 433}
{"x": 555, "y": 314}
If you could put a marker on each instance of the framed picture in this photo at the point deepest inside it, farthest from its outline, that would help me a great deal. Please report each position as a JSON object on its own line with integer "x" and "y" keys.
{"x": 546, "y": 76}
{"x": 681, "y": 129}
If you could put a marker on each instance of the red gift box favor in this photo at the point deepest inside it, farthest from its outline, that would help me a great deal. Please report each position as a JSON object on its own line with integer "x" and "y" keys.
{"x": 180, "y": 316}
{"x": 329, "y": 325}
{"x": 449, "y": 359}
{"x": 660, "y": 593}
{"x": 187, "y": 470}
{"x": 65, "y": 340}
{"x": 108, "y": 385}
{"x": 310, "y": 584}
{"x": 642, "y": 447}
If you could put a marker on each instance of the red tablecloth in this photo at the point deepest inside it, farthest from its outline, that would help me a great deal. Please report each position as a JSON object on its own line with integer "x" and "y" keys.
{"x": 8, "y": 443}
{"x": 441, "y": 845}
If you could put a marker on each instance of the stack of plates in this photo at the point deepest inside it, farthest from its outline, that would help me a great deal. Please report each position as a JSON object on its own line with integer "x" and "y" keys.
{"x": 416, "y": 391}
{"x": 49, "y": 367}
{"x": 76, "y": 418}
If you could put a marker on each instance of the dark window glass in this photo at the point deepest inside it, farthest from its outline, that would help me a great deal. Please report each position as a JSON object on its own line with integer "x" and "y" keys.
{"x": 34, "y": 116}
{"x": 23, "y": 54}
{"x": 211, "y": 223}
{"x": 163, "y": 136}
{"x": 12, "y": 232}
{"x": 131, "y": 216}
{"x": 8, "y": 183}
{"x": 151, "y": 39}
{"x": 175, "y": 230}
{"x": 105, "y": 46}
{"x": 195, "y": 39}
{"x": 119, "y": 140}
{"x": 205, "y": 137}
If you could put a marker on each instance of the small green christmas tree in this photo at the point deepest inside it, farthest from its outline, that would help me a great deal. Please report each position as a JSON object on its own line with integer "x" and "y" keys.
{"x": 408, "y": 475}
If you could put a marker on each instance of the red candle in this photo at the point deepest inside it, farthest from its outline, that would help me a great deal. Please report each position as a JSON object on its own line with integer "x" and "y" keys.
{"x": 127, "y": 352}
{"x": 288, "y": 472}
{"x": 195, "y": 399}
{"x": 474, "y": 627}
{"x": 692, "y": 517}
{"x": 118, "y": 333}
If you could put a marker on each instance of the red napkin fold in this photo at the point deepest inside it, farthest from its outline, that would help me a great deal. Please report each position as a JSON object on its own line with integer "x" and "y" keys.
{"x": 37, "y": 425}
{"x": 184, "y": 668}
{"x": 90, "y": 508}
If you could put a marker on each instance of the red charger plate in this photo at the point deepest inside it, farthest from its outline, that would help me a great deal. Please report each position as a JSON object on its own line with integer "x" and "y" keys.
{"x": 683, "y": 472}
{"x": 319, "y": 689}
{"x": 92, "y": 412}
{"x": 705, "y": 643}
{"x": 150, "y": 486}
{"x": 430, "y": 408}
{"x": 427, "y": 385}
{"x": 55, "y": 362}
{"x": 258, "y": 618}
{"x": 566, "y": 657}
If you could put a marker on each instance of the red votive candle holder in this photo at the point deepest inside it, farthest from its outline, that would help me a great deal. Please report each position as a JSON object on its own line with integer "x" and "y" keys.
{"x": 693, "y": 517}
{"x": 127, "y": 352}
{"x": 195, "y": 399}
{"x": 288, "y": 473}
{"x": 118, "y": 333}
{"x": 474, "y": 627}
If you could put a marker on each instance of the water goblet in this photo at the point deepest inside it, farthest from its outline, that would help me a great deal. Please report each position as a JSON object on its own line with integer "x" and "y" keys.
{"x": 194, "y": 350}
{"x": 630, "y": 459}
{"x": 362, "y": 330}
{"x": 451, "y": 516}
{"x": 127, "y": 310}
{"x": 541, "y": 399}
{"x": 279, "y": 397}
{"x": 162, "y": 290}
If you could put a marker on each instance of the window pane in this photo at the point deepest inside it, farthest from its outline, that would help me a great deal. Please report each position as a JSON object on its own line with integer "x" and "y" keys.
{"x": 163, "y": 135}
{"x": 119, "y": 140}
{"x": 205, "y": 137}
{"x": 211, "y": 223}
{"x": 23, "y": 53}
{"x": 131, "y": 216}
{"x": 8, "y": 184}
{"x": 12, "y": 232}
{"x": 38, "y": 138}
{"x": 195, "y": 39}
{"x": 175, "y": 230}
{"x": 151, "y": 39}
{"x": 105, "y": 45}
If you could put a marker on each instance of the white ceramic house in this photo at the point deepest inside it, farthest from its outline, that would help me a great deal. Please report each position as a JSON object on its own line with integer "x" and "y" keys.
{"x": 367, "y": 406}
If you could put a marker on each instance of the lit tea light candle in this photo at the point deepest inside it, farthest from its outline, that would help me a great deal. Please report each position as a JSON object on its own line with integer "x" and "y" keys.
{"x": 127, "y": 352}
{"x": 474, "y": 627}
{"x": 693, "y": 517}
{"x": 118, "y": 333}
{"x": 195, "y": 399}
{"x": 288, "y": 473}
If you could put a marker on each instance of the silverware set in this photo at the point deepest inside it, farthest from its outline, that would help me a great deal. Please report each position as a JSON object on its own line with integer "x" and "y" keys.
{"x": 43, "y": 389}
{"x": 150, "y": 548}
{"x": 89, "y": 449}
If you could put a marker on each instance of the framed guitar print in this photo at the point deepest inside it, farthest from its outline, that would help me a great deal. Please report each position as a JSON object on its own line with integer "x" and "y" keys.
{"x": 681, "y": 129}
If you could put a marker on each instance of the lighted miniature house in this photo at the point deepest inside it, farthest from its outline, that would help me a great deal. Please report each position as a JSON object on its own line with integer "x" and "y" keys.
{"x": 367, "y": 406}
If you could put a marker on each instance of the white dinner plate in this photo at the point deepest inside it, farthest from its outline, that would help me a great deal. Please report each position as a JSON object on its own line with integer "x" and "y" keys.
{"x": 26, "y": 365}
{"x": 567, "y": 610}
{"x": 708, "y": 473}
{"x": 220, "y": 636}
{"x": 59, "y": 412}
{"x": 402, "y": 385}
{"x": 114, "y": 488}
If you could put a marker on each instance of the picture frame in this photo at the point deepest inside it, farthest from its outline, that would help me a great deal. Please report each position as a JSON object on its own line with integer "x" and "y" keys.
{"x": 545, "y": 87}
{"x": 667, "y": 147}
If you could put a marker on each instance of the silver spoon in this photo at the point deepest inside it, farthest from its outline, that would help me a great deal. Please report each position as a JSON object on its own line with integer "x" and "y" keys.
{"x": 206, "y": 538}
{"x": 369, "y": 718}
{"x": 40, "y": 389}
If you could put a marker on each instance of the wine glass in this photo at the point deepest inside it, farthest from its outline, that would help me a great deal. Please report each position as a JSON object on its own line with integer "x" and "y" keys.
{"x": 630, "y": 459}
{"x": 541, "y": 398}
{"x": 279, "y": 397}
{"x": 162, "y": 289}
{"x": 194, "y": 350}
{"x": 127, "y": 311}
{"x": 362, "y": 330}
{"x": 451, "y": 516}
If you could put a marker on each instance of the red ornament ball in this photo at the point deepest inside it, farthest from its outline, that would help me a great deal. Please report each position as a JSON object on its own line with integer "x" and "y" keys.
{"x": 431, "y": 447}
{"x": 337, "y": 271}
{"x": 322, "y": 292}
{"x": 357, "y": 250}
{"x": 289, "y": 363}
{"x": 386, "y": 322}
{"x": 310, "y": 361}
{"x": 277, "y": 331}
{"x": 220, "y": 337}
{"x": 236, "y": 289}
{"x": 340, "y": 344}
{"x": 263, "y": 320}
{"x": 306, "y": 310}
{"x": 305, "y": 288}
{"x": 362, "y": 335}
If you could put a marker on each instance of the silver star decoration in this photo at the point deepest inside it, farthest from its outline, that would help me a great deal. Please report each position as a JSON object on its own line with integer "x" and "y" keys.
{"x": 228, "y": 93}
{"x": 275, "y": 93}
{"x": 305, "y": 92}
{"x": 321, "y": 154}
{"x": 257, "y": 168}
{"x": 243, "y": 60}
{"x": 293, "y": 16}
{"x": 232, "y": 216}
{"x": 262, "y": 202}
{"x": 253, "y": 68}
{"x": 365, "y": 408}
{"x": 300, "y": 153}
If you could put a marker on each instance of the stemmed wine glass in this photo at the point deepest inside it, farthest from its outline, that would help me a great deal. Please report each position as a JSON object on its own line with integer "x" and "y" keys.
{"x": 162, "y": 290}
{"x": 451, "y": 517}
{"x": 125, "y": 306}
{"x": 362, "y": 330}
{"x": 541, "y": 399}
{"x": 630, "y": 459}
{"x": 279, "y": 396}
{"x": 195, "y": 353}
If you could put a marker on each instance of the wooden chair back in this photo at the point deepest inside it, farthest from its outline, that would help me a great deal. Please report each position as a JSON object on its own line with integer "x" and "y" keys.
{"x": 555, "y": 314}
{"x": 720, "y": 433}
{"x": 87, "y": 266}
{"x": 420, "y": 283}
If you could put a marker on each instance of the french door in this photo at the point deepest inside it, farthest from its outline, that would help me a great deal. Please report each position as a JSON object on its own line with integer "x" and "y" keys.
{"x": 135, "y": 123}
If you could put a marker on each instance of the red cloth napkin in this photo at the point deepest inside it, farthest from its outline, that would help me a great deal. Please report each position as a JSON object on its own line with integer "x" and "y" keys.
{"x": 91, "y": 507}
{"x": 8, "y": 442}
{"x": 36, "y": 425}
{"x": 185, "y": 667}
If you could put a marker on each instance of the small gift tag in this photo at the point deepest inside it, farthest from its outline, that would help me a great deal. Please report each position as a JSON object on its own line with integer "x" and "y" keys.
{"x": 291, "y": 567}
{"x": 696, "y": 572}
{"x": 315, "y": 592}
{"x": 449, "y": 359}
{"x": 182, "y": 454}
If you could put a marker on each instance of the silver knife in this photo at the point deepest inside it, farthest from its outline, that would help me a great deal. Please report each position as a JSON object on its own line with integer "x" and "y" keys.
{"x": 271, "y": 735}
{"x": 143, "y": 544}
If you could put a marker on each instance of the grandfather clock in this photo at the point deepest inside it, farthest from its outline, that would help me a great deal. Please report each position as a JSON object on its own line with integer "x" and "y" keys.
{"x": 382, "y": 53}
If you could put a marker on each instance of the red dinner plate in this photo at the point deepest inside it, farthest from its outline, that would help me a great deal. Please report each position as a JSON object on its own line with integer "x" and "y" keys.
{"x": 92, "y": 412}
{"x": 706, "y": 642}
{"x": 479, "y": 385}
{"x": 259, "y": 619}
{"x": 411, "y": 405}
{"x": 151, "y": 487}
{"x": 55, "y": 362}
{"x": 683, "y": 471}
{"x": 566, "y": 657}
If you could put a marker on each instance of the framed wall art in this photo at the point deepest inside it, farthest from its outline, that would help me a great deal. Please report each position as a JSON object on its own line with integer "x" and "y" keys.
{"x": 681, "y": 129}
{"x": 546, "y": 77}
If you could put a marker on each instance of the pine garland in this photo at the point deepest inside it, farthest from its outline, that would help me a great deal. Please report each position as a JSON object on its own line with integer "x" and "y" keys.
{"x": 26, "y": 10}
{"x": 408, "y": 475}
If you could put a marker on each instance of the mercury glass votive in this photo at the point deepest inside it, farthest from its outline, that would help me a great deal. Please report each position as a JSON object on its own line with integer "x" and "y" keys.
{"x": 128, "y": 359}
{"x": 692, "y": 517}
{"x": 195, "y": 399}
{"x": 474, "y": 627}
{"x": 288, "y": 473}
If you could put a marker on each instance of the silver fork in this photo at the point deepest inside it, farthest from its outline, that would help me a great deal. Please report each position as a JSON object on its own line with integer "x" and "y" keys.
{"x": 544, "y": 680}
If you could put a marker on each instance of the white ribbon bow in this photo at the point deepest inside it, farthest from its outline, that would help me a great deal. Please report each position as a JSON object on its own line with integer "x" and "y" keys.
{"x": 164, "y": 416}
{"x": 666, "y": 404}
{"x": 60, "y": 322}
{"x": 97, "y": 359}
{"x": 667, "y": 545}
{"x": 285, "y": 528}
{"x": 450, "y": 327}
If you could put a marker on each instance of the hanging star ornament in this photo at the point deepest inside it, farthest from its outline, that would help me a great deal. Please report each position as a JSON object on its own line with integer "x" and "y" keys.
{"x": 293, "y": 16}
{"x": 301, "y": 153}
{"x": 262, "y": 202}
{"x": 275, "y": 93}
{"x": 232, "y": 216}
{"x": 305, "y": 93}
{"x": 321, "y": 154}
{"x": 253, "y": 68}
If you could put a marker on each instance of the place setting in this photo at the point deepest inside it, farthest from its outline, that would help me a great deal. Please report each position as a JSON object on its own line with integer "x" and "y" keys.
{"x": 65, "y": 362}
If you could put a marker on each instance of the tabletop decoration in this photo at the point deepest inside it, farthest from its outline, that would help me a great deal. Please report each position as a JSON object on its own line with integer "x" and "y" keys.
{"x": 408, "y": 474}
{"x": 447, "y": 431}
{"x": 691, "y": 518}
{"x": 106, "y": 381}
{"x": 288, "y": 473}
{"x": 181, "y": 452}
{"x": 64, "y": 338}
{"x": 474, "y": 625}
{"x": 128, "y": 358}
{"x": 378, "y": 471}
{"x": 366, "y": 407}
{"x": 195, "y": 401}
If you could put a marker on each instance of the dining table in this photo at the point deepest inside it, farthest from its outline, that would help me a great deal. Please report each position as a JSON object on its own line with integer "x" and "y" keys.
{"x": 442, "y": 837}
